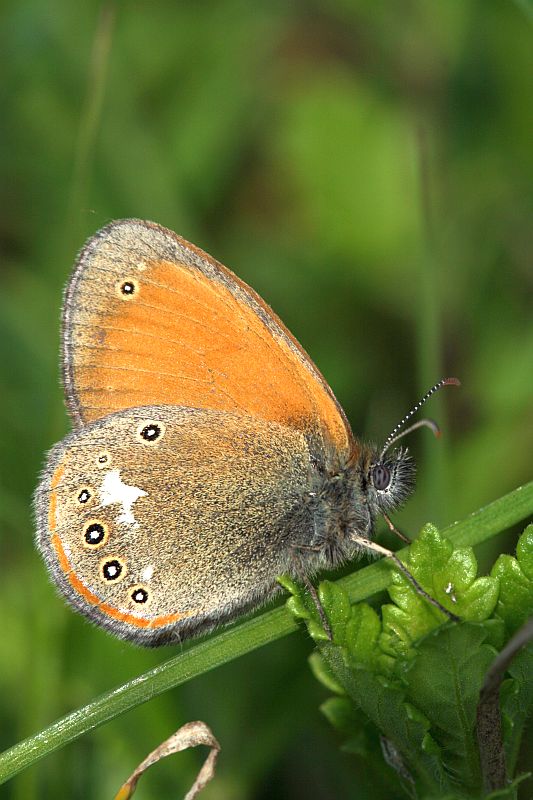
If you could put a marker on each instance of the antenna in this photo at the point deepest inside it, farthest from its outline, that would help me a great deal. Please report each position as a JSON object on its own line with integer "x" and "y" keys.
{"x": 394, "y": 435}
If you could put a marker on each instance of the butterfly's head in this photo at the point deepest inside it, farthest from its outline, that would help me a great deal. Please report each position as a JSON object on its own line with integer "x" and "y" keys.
{"x": 388, "y": 476}
{"x": 387, "y": 480}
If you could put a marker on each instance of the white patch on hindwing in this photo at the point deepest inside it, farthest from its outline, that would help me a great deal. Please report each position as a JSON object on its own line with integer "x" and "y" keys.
{"x": 114, "y": 490}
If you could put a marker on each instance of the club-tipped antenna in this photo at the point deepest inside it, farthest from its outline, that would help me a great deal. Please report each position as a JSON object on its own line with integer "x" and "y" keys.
{"x": 428, "y": 423}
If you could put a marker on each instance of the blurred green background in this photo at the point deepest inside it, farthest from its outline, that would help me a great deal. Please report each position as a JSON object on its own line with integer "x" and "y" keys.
{"x": 367, "y": 168}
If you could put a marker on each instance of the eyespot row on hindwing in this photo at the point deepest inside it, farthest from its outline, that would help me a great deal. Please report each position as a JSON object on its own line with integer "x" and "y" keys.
{"x": 96, "y": 532}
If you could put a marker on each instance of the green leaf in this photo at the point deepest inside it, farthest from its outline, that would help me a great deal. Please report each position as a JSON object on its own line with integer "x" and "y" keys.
{"x": 403, "y": 626}
{"x": 444, "y": 681}
{"x": 336, "y": 605}
{"x": 449, "y": 576}
{"x": 515, "y": 602}
{"x": 323, "y": 673}
{"x": 417, "y": 680}
{"x": 385, "y": 705}
{"x": 524, "y": 552}
{"x": 495, "y": 630}
{"x": 363, "y": 632}
{"x": 302, "y": 606}
{"x": 516, "y": 700}
{"x": 342, "y": 714}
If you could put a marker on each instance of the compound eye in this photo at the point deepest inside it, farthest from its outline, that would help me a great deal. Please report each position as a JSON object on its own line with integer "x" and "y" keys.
{"x": 381, "y": 477}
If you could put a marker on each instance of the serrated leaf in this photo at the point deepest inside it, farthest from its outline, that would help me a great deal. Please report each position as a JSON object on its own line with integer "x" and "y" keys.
{"x": 342, "y": 714}
{"x": 515, "y": 602}
{"x": 362, "y": 634}
{"x": 495, "y": 630}
{"x": 517, "y": 703}
{"x": 302, "y": 606}
{"x": 478, "y": 601}
{"x": 444, "y": 681}
{"x": 316, "y": 630}
{"x": 384, "y": 704}
{"x": 429, "y": 553}
{"x": 297, "y": 607}
{"x": 524, "y": 552}
{"x": 323, "y": 673}
{"x": 289, "y": 584}
{"x": 402, "y": 626}
{"x": 417, "y": 681}
{"x": 515, "y": 589}
{"x": 336, "y": 605}
{"x": 449, "y": 576}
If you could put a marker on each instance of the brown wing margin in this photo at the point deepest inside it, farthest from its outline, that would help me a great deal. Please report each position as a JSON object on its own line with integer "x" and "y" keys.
{"x": 150, "y": 319}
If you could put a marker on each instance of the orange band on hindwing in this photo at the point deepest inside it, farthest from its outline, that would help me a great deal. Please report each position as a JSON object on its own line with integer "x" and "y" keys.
{"x": 54, "y": 483}
{"x": 110, "y": 611}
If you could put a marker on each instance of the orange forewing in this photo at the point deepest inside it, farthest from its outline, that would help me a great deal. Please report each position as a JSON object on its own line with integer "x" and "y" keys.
{"x": 190, "y": 333}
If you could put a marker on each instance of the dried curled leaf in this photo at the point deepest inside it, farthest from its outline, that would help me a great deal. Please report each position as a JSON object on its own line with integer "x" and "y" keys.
{"x": 189, "y": 735}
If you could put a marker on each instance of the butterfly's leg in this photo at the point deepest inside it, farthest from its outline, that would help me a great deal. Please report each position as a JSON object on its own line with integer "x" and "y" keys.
{"x": 367, "y": 544}
{"x": 302, "y": 576}
{"x": 319, "y": 607}
{"x": 394, "y": 529}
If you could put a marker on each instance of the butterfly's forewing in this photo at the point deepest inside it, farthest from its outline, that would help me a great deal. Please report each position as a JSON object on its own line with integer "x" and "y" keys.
{"x": 150, "y": 319}
{"x": 160, "y": 521}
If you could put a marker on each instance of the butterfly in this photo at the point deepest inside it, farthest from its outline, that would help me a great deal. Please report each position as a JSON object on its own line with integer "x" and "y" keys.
{"x": 208, "y": 454}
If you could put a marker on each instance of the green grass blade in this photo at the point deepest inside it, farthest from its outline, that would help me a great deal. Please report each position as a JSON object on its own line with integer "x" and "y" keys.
{"x": 198, "y": 659}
